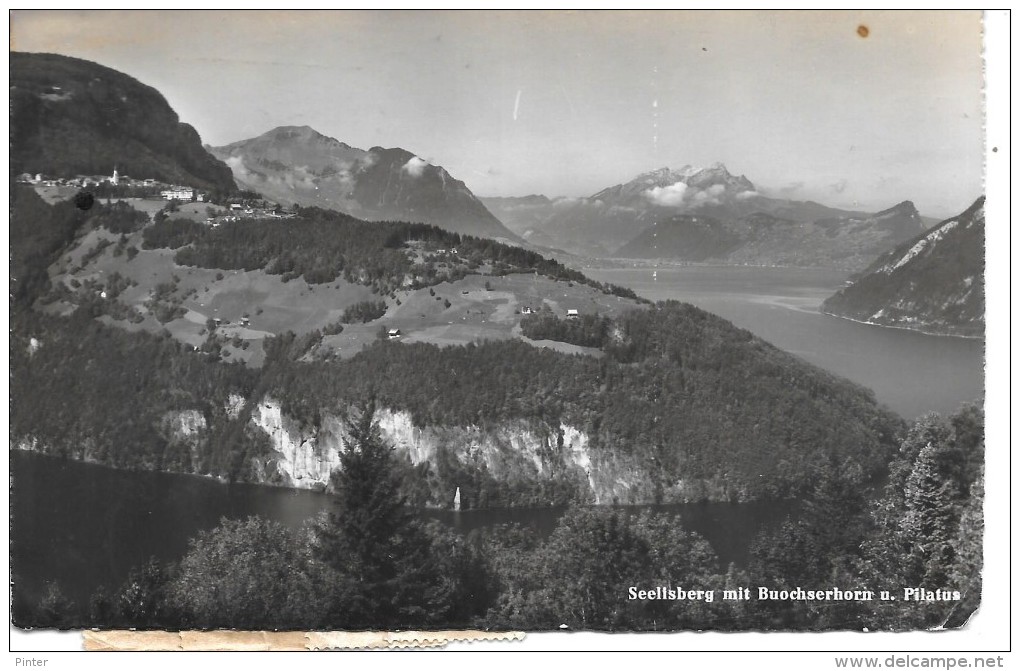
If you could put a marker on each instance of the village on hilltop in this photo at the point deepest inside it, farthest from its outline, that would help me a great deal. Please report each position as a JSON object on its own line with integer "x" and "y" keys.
{"x": 245, "y": 205}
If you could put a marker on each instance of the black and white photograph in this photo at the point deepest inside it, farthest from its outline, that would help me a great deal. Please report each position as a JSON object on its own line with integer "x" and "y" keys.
{"x": 508, "y": 321}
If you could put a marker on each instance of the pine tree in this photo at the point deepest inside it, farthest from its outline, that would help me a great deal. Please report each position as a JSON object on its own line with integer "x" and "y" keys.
{"x": 386, "y": 575}
{"x": 929, "y": 523}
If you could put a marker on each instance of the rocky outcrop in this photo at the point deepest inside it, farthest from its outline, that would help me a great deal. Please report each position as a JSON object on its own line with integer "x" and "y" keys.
{"x": 305, "y": 457}
{"x": 933, "y": 282}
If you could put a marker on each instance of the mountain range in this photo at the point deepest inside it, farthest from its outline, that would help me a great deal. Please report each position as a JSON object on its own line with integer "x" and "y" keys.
{"x": 707, "y": 214}
{"x": 933, "y": 282}
{"x": 297, "y": 164}
{"x": 70, "y": 116}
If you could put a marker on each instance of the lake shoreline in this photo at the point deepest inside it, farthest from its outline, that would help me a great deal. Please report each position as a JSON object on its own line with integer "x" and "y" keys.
{"x": 903, "y": 328}
{"x": 669, "y": 264}
{"x": 324, "y": 491}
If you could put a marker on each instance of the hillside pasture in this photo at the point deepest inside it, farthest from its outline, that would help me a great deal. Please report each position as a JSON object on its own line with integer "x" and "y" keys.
{"x": 253, "y": 305}
{"x": 476, "y": 313}
{"x": 271, "y": 305}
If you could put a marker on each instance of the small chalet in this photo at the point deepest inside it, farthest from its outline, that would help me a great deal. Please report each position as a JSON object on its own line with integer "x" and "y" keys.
{"x": 572, "y": 314}
{"x": 393, "y": 333}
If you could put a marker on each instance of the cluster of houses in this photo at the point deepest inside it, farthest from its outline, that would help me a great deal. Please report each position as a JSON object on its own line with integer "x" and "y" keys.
{"x": 40, "y": 179}
{"x": 239, "y": 211}
{"x": 169, "y": 191}
{"x": 571, "y": 313}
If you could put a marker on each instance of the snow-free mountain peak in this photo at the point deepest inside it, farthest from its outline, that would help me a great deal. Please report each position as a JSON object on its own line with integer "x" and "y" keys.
{"x": 933, "y": 282}
{"x": 297, "y": 164}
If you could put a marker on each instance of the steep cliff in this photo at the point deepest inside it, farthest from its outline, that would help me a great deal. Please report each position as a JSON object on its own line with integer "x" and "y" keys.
{"x": 680, "y": 407}
{"x": 933, "y": 282}
{"x": 304, "y": 457}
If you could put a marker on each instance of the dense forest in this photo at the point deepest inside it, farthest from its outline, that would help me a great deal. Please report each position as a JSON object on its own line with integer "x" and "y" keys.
{"x": 588, "y": 330}
{"x": 676, "y": 391}
{"x": 691, "y": 406}
{"x": 371, "y": 564}
{"x": 680, "y": 391}
{"x": 322, "y": 245}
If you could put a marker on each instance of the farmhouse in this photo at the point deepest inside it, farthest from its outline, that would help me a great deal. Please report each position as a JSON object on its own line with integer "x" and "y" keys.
{"x": 393, "y": 333}
{"x": 572, "y": 314}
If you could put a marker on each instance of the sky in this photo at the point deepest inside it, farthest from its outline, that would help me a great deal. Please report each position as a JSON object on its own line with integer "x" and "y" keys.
{"x": 859, "y": 109}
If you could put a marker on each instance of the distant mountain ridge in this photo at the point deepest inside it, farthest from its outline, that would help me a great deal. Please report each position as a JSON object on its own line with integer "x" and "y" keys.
{"x": 727, "y": 218}
{"x": 297, "y": 164}
{"x": 70, "y": 116}
{"x": 761, "y": 238}
{"x": 933, "y": 282}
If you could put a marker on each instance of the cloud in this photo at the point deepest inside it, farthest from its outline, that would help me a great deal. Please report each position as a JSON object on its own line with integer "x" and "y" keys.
{"x": 839, "y": 187}
{"x": 789, "y": 190}
{"x": 297, "y": 177}
{"x": 415, "y": 166}
{"x": 668, "y": 196}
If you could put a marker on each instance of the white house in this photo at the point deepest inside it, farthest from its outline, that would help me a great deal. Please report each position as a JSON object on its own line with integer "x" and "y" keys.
{"x": 393, "y": 333}
{"x": 178, "y": 193}
{"x": 572, "y": 314}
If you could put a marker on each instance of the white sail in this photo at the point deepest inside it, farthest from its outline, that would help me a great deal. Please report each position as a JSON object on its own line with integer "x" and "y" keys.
{"x": 456, "y": 500}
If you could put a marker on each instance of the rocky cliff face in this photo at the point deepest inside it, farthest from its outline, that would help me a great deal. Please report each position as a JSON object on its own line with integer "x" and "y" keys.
{"x": 305, "y": 457}
{"x": 933, "y": 282}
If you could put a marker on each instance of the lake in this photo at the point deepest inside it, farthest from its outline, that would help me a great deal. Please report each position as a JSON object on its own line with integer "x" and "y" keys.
{"x": 85, "y": 525}
{"x": 912, "y": 373}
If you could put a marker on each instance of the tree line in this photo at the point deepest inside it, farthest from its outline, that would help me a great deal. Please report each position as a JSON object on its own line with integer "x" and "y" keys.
{"x": 695, "y": 408}
{"x": 370, "y": 563}
{"x": 323, "y": 245}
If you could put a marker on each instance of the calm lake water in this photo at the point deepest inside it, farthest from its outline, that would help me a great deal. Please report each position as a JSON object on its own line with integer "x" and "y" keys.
{"x": 85, "y": 526}
{"x": 910, "y": 372}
